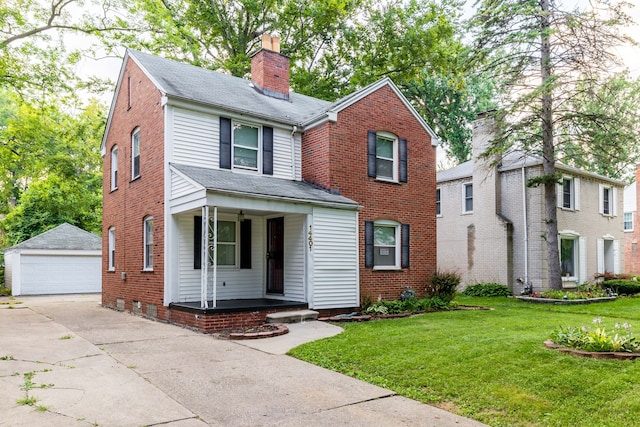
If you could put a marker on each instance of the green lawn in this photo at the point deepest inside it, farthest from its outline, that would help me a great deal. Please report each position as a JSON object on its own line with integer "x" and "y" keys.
{"x": 492, "y": 365}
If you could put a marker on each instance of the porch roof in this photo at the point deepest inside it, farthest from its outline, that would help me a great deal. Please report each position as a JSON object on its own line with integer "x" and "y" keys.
{"x": 255, "y": 186}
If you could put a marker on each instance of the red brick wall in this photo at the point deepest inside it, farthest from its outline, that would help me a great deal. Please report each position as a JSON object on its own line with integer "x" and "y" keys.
{"x": 221, "y": 321}
{"x": 126, "y": 207}
{"x": 334, "y": 155}
{"x": 631, "y": 249}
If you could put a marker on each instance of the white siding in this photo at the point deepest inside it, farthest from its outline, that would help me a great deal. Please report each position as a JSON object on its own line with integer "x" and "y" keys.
{"x": 233, "y": 283}
{"x": 294, "y": 256}
{"x": 195, "y": 138}
{"x": 188, "y": 277}
{"x": 180, "y": 186}
{"x": 282, "y": 154}
{"x": 8, "y": 269}
{"x": 335, "y": 256}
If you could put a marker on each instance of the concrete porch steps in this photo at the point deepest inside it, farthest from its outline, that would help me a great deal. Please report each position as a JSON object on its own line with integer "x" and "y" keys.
{"x": 292, "y": 316}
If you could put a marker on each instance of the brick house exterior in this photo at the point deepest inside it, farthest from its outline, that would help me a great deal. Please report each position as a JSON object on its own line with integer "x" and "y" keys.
{"x": 226, "y": 199}
{"x": 631, "y": 227}
{"x": 491, "y": 225}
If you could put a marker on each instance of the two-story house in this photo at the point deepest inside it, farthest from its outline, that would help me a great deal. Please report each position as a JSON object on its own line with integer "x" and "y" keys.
{"x": 491, "y": 224}
{"x": 226, "y": 199}
{"x": 631, "y": 228}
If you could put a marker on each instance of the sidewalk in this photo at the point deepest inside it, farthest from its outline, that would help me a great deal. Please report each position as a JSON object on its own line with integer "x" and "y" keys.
{"x": 101, "y": 367}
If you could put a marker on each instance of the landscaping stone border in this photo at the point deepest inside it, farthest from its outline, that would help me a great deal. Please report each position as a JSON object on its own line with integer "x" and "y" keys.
{"x": 593, "y": 354}
{"x": 564, "y": 301}
{"x": 271, "y": 330}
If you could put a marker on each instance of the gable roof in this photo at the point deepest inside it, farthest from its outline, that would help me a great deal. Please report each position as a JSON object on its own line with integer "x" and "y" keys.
{"x": 64, "y": 237}
{"x": 259, "y": 186}
{"x": 515, "y": 160}
{"x": 184, "y": 82}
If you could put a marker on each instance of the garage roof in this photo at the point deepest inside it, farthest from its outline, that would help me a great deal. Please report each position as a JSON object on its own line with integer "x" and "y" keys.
{"x": 64, "y": 236}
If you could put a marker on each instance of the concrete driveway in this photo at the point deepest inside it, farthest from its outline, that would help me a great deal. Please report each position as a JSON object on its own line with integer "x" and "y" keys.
{"x": 87, "y": 365}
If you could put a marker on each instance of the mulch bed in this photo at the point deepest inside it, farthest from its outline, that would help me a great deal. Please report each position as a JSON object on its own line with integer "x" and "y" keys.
{"x": 593, "y": 354}
{"x": 565, "y": 301}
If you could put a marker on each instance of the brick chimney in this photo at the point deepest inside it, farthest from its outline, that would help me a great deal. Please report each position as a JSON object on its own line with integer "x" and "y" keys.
{"x": 270, "y": 69}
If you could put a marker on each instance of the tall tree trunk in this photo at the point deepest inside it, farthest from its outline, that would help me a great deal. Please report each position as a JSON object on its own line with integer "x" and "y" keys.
{"x": 548, "y": 151}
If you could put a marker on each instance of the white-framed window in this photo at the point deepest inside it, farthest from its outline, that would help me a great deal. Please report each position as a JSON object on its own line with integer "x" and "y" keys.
{"x": 607, "y": 205}
{"x": 386, "y": 156}
{"x": 148, "y": 243}
{"x": 135, "y": 154}
{"x": 569, "y": 257}
{"x": 467, "y": 198}
{"x": 112, "y": 249}
{"x": 386, "y": 245}
{"x": 245, "y": 141}
{"x": 114, "y": 167}
{"x": 569, "y": 193}
{"x": 438, "y": 202}
{"x": 226, "y": 253}
{"x": 628, "y": 221}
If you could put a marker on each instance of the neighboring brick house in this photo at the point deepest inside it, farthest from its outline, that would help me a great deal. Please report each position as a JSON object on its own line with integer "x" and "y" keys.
{"x": 631, "y": 227}
{"x": 226, "y": 199}
{"x": 491, "y": 225}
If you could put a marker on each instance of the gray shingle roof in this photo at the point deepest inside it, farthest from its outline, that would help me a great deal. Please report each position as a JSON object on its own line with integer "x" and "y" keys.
{"x": 188, "y": 82}
{"x": 65, "y": 237}
{"x": 262, "y": 187}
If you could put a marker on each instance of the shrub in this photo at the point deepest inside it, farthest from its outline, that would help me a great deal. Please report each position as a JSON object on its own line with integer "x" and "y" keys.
{"x": 443, "y": 285}
{"x": 623, "y": 287}
{"x": 410, "y": 305}
{"x": 487, "y": 290}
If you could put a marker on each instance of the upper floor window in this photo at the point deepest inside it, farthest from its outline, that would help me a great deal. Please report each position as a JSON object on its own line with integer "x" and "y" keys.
{"x": 569, "y": 193}
{"x": 628, "y": 221}
{"x": 135, "y": 154}
{"x": 467, "y": 198}
{"x": 148, "y": 243}
{"x": 438, "y": 202}
{"x": 112, "y": 249}
{"x": 387, "y": 157}
{"x": 246, "y": 146}
{"x": 607, "y": 203}
{"x": 114, "y": 167}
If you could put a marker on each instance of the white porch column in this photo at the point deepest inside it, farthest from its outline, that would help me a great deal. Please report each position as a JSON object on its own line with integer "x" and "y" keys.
{"x": 215, "y": 255}
{"x": 204, "y": 256}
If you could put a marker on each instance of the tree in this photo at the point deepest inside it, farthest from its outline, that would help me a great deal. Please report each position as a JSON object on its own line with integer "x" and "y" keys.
{"x": 548, "y": 60}
{"x": 50, "y": 168}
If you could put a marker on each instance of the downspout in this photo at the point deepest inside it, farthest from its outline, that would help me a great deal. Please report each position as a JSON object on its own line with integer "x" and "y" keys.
{"x": 293, "y": 152}
{"x": 526, "y": 225}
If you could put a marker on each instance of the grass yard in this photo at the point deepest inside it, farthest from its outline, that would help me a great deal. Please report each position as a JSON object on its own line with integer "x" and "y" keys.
{"x": 492, "y": 365}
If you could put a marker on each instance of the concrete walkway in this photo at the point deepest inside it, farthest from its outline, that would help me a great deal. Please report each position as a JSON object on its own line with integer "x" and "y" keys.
{"x": 87, "y": 365}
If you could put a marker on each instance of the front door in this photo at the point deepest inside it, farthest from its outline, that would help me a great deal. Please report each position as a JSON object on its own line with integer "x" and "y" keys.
{"x": 275, "y": 256}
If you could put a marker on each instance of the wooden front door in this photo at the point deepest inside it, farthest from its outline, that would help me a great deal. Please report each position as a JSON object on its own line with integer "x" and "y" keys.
{"x": 275, "y": 256}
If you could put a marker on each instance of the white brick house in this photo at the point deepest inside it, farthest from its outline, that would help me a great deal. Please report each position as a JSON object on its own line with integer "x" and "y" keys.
{"x": 490, "y": 225}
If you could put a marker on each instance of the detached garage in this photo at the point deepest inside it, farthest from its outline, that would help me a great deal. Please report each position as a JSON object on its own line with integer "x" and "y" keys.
{"x": 63, "y": 260}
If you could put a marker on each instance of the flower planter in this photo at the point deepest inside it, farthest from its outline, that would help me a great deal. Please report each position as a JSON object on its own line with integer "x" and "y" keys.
{"x": 564, "y": 301}
{"x": 593, "y": 354}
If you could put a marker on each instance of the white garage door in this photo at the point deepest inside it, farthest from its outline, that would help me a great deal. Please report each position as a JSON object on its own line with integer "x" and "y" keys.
{"x": 50, "y": 274}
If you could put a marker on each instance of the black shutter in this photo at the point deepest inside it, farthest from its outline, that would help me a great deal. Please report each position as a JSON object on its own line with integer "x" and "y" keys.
{"x": 197, "y": 242}
{"x": 371, "y": 153}
{"x": 225, "y": 143}
{"x": 403, "y": 160}
{"x": 404, "y": 257}
{"x": 368, "y": 244}
{"x": 245, "y": 243}
{"x": 267, "y": 150}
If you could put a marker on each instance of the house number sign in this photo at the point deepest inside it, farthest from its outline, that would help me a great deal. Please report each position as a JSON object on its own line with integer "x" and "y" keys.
{"x": 310, "y": 238}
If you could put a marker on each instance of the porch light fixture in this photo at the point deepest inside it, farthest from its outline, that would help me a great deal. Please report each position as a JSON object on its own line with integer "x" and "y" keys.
{"x": 241, "y": 216}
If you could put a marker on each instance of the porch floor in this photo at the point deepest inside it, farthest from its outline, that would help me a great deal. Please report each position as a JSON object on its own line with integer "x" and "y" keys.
{"x": 237, "y": 305}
